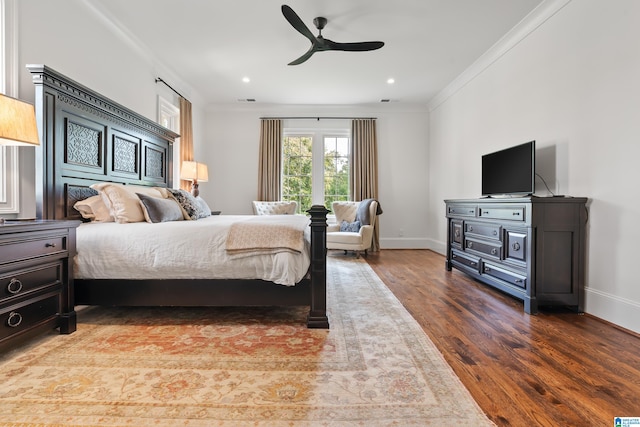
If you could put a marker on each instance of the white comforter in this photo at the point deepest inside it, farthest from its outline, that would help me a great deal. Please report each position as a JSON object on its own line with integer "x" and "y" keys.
{"x": 179, "y": 250}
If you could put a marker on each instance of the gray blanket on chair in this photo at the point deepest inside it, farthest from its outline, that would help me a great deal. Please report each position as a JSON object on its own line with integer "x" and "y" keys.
{"x": 362, "y": 213}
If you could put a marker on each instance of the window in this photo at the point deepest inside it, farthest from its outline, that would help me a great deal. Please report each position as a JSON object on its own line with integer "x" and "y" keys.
{"x": 315, "y": 173}
{"x": 168, "y": 114}
{"x": 336, "y": 169}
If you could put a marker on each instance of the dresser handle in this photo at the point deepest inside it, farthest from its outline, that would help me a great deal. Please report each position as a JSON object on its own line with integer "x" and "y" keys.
{"x": 516, "y": 246}
{"x": 494, "y": 251}
{"x": 49, "y": 245}
{"x": 14, "y": 319}
{"x": 14, "y": 286}
{"x": 470, "y": 244}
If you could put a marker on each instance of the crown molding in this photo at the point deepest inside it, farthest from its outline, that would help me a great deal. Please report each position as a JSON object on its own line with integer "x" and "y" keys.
{"x": 529, "y": 24}
{"x": 138, "y": 46}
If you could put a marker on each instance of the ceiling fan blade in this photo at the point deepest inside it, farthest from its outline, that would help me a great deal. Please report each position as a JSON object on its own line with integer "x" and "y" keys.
{"x": 353, "y": 47}
{"x": 304, "y": 57}
{"x": 297, "y": 23}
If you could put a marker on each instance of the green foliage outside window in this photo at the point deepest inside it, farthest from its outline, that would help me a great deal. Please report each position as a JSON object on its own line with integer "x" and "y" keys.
{"x": 336, "y": 170}
{"x": 298, "y": 165}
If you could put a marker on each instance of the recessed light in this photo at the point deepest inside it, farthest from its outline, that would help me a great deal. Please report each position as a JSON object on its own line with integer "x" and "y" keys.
{"x": 246, "y": 79}
{"x": 391, "y": 80}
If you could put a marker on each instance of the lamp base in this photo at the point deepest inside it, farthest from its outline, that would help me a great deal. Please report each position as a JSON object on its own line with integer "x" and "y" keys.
{"x": 194, "y": 189}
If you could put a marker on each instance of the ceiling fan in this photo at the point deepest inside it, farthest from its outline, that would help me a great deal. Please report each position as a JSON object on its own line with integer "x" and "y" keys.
{"x": 319, "y": 43}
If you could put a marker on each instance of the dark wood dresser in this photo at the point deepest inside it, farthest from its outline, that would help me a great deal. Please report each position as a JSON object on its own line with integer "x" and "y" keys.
{"x": 36, "y": 279}
{"x": 530, "y": 247}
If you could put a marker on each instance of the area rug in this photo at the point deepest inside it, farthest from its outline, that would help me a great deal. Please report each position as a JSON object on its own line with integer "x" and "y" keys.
{"x": 240, "y": 367}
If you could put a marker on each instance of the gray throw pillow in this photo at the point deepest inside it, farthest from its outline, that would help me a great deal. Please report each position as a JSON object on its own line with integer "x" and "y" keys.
{"x": 352, "y": 227}
{"x": 204, "y": 210}
{"x": 161, "y": 210}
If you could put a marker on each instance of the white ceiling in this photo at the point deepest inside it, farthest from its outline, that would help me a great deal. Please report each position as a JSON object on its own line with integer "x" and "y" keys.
{"x": 210, "y": 45}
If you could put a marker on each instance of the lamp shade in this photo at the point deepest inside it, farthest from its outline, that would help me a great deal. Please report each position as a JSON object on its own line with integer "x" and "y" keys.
{"x": 194, "y": 171}
{"x": 17, "y": 122}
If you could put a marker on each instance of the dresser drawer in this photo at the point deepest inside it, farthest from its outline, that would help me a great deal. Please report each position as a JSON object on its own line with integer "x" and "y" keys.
{"x": 23, "y": 281}
{"x": 458, "y": 210}
{"x": 465, "y": 260}
{"x": 491, "y": 231}
{"x": 508, "y": 213}
{"x": 456, "y": 233}
{"x": 516, "y": 246}
{"x": 491, "y": 249}
{"x": 16, "y": 319}
{"x": 32, "y": 247}
{"x": 519, "y": 280}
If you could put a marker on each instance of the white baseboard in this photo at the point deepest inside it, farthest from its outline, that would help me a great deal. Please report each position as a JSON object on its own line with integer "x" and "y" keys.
{"x": 403, "y": 243}
{"x": 621, "y": 311}
{"x": 413, "y": 243}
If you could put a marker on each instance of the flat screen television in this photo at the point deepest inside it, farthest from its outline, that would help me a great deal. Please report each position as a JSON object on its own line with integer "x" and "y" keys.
{"x": 510, "y": 172}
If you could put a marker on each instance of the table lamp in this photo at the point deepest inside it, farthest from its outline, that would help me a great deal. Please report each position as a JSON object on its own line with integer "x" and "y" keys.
{"x": 17, "y": 124}
{"x": 194, "y": 172}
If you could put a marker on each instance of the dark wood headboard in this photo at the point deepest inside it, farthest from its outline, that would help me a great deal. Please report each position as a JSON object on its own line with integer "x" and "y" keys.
{"x": 87, "y": 138}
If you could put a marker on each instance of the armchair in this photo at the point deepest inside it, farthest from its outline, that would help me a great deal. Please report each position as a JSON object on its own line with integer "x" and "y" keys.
{"x": 274, "y": 208}
{"x": 357, "y": 241}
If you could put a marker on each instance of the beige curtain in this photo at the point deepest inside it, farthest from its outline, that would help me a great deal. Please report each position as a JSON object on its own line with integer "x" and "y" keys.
{"x": 186, "y": 138}
{"x": 269, "y": 169}
{"x": 364, "y": 168}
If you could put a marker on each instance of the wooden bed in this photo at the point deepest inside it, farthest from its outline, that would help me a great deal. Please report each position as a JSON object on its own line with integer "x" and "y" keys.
{"x": 87, "y": 138}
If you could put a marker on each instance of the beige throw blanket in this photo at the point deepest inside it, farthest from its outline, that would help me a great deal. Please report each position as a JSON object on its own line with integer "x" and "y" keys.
{"x": 269, "y": 234}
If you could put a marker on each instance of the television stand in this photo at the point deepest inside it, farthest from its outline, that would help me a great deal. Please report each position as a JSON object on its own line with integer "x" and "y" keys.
{"x": 532, "y": 248}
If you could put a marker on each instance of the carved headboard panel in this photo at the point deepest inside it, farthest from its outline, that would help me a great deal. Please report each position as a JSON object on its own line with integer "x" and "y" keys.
{"x": 87, "y": 138}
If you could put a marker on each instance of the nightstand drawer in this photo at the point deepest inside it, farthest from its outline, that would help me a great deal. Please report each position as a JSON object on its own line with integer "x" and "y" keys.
{"x": 18, "y": 250}
{"x": 16, "y": 319}
{"x": 22, "y": 281}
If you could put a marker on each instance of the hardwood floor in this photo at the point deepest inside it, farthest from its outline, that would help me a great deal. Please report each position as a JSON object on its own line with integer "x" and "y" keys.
{"x": 556, "y": 368}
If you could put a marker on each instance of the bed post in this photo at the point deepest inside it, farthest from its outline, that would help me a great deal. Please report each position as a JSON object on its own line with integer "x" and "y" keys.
{"x": 317, "y": 317}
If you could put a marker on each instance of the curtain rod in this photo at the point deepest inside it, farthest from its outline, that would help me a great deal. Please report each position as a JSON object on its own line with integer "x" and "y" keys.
{"x": 319, "y": 118}
{"x": 158, "y": 79}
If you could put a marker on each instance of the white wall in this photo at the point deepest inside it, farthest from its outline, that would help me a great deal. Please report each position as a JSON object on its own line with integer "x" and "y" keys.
{"x": 75, "y": 39}
{"x": 232, "y": 145}
{"x": 573, "y": 86}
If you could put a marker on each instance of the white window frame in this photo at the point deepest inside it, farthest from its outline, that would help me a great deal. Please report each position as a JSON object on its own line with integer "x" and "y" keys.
{"x": 9, "y": 158}
{"x": 171, "y": 113}
{"x": 317, "y": 154}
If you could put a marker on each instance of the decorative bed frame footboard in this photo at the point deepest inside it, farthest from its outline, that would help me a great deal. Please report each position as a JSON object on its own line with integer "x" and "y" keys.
{"x": 87, "y": 138}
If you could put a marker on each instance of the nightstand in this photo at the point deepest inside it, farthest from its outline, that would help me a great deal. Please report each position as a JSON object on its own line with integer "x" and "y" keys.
{"x": 36, "y": 279}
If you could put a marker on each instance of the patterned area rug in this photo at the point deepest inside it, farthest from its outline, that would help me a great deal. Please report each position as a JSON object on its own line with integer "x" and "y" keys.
{"x": 240, "y": 367}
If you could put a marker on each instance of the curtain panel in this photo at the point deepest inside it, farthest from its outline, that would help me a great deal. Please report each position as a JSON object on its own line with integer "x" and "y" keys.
{"x": 364, "y": 169}
{"x": 270, "y": 160}
{"x": 186, "y": 138}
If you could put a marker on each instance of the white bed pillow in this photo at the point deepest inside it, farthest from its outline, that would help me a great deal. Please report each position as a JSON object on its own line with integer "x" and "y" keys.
{"x": 93, "y": 208}
{"x": 122, "y": 201}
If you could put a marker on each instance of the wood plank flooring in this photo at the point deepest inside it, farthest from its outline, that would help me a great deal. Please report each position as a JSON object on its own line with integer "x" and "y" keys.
{"x": 556, "y": 368}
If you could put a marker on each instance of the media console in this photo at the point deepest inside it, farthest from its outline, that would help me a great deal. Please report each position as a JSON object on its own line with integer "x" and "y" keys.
{"x": 532, "y": 248}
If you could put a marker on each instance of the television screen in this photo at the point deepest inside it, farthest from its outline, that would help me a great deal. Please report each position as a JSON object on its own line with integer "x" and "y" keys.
{"x": 510, "y": 171}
